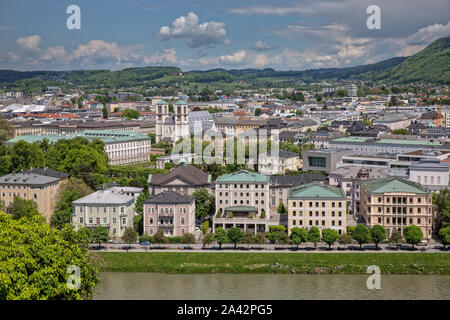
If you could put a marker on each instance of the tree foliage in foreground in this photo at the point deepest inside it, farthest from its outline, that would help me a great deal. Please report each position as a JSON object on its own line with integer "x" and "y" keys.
{"x": 35, "y": 258}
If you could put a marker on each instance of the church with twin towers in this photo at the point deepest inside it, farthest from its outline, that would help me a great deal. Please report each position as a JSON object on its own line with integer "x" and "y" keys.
{"x": 171, "y": 127}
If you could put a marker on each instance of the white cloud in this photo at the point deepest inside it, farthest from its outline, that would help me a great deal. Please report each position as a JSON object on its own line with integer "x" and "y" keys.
{"x": 166, "y": 56}
{"x": 429, "y": 34}
{"x": 235, "y": 58}
{"x": 30, "y": 43}
{"x": 195, "y": 34}
{"x": 261, "y": 46}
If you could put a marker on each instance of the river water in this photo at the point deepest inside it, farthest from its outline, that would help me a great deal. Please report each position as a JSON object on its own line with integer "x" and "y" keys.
{"x": 154, "y": 286}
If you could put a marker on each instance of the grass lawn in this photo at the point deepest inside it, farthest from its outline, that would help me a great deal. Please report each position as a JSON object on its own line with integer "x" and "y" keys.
{"x": 303, "y": 263}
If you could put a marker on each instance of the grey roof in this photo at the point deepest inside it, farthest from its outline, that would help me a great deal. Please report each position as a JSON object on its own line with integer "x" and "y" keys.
{"x": 297, "y": 180}
{"x": 48, "y": 173}
{"x": 169, "y": 197}
{"x": 108, "y": 196}
{"x": 127, "y": 189}
{"x": 27, "y": 179}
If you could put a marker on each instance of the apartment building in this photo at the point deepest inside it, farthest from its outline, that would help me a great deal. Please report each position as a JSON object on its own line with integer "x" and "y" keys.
{"x": 349, "y": 178}
{"x": 242, "y": 200}
{"x": 319, "y": 205}
{"x": 108, "y": 208}
{"x": 39, "y": 184}
{"x": 279, "y": 187}
{"x": 396, "y": 203}
{"x": 122, "y": 147}
{"x": 278, "y": 164}
{"x": 184, "y": 179}
{"x": 170, "y": 212}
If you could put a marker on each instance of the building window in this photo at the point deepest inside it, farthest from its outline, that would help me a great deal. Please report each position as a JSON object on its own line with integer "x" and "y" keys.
{"x": 124, "y": 221}
{"x": 182, "y": 220}
{"x": 81, "y": 219}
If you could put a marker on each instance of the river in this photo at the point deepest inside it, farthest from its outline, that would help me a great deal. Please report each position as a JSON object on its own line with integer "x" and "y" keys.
{"x": 154, "y": 286}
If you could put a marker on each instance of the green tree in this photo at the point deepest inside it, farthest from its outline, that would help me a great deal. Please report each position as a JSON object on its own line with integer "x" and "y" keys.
{"x": 361, "y": 234}
{"x": 235, "y": 235}
{"x": 413, "y": 234}
{"x": 188, "y": 238}
{"x": 260, "y": 238}
{"x": 220, "y": 236}
{"x": 160, "y": 238}
{"x": 204, "y": 203}
{"x": 377, "y": 234}
{"x": 25, "y": 155}
{"x": 205, "y": 227}
{"x": 400, "y": 131}
{"x": 257, "y": 112}
{"x": 350, "y": 230}
{"x": 6, "y": 130}
{"x": 129, "y": 236}
{"x": 281, "y": 208}
{"x": 35, "y": 260}
{"x": 283, "y": 238}
{"x": 68, "y": 192}
{"x": 444, "y": 236}
{"x": 298, "y": 235}
{"x": 85, "y": 235}
{"x": 442, "y": 202}
{"x": 396, "y": 237}
{"x": 207, "y": 239}
{"x": 345, "y": 239}
{"x": 22, "y": 208}
{"x": 130, "y": 114}
{"x": 248, "y": 238}
{"x": 329, "y": 236}
{"x": 139, "y": 206}
{"x": 100, "y": 235}
{"x": 314, "y": 236}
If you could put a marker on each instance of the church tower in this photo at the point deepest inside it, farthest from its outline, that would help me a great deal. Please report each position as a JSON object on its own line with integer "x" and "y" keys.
{"x": 162, "y": 113}
{"x": 181, "y": 120}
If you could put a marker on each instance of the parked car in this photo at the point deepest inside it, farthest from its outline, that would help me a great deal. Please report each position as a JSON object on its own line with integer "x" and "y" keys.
{"x": 110, "y": 241}
{"x": 144, "y": 243}
{"x": 423, "y": 243}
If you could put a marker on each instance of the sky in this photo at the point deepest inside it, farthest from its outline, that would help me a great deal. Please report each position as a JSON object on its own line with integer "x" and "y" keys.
{"x": 207, "y": 34}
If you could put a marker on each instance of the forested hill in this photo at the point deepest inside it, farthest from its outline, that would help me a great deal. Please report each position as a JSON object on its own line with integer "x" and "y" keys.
{"x": 432, "y": 64}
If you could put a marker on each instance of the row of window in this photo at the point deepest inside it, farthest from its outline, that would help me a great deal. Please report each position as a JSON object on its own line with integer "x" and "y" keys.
{"x": 425, "y": 180}
{"x": 316, "y": 204}
{"x": 98, "y": 209}
{"x": 167, "y": 232}
{"x": 247, "y": 194}
{"x": 399, "y": 200}
{"x": 401, "y": 220}
{"x": 166, "y": 221}
{"x": 398, "y": 210}
{"x": 166, "y": 211}
{"x": 316, "y": 222}
{"x": 242, "y": 201}
{"x": 241, "y": 186}
{"x": 35, "y": 196}
{"x": 104, "y": 221}
{"x": 300, "y": 213}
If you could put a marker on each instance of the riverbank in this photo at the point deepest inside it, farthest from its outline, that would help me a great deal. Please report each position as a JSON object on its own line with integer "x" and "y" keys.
{"x": 299, "y": 263}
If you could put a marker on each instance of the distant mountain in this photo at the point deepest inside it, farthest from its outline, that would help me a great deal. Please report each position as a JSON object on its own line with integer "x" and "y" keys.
{"x": 432, "y": 64}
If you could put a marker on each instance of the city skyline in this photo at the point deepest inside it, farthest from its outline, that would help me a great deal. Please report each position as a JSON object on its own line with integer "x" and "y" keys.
{"x": 201, "y": 35}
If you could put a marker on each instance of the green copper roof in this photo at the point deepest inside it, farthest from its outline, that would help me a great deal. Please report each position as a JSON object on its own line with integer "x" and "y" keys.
{"x": 392, "y": 184}
{"x": 241, "y": 209}
{"x": 316, "y": 190}
{"x": 352, "y": 139}
{"x": 411, "y": 142}
{"x": 161, "y": 102}
{"x": 243, "y": 176}
{"x": 107, "y": 136}
{"x": 181, "y": 102}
